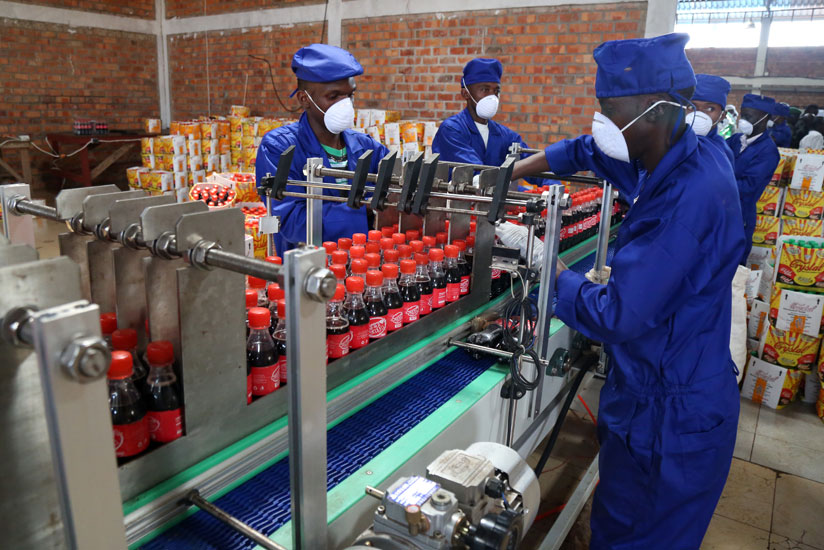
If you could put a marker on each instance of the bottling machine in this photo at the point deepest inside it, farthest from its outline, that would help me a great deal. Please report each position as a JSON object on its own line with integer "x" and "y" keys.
{"x": 417, "y": 440}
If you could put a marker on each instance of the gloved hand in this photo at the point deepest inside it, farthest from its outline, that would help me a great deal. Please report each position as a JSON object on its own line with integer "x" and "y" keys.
{"x": 515, "y": 236}
{"x": 476, "y": 181}
{"x": 601, "y": 278}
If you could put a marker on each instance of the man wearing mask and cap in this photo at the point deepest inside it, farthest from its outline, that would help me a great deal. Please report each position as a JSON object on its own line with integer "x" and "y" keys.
{"x": 668, "y": 413}
{"x": 780, "y": 132}
{"x": 472, "y": 136}
{"x": 756, "y": 158}
{"x": 709, "y": 99}
{"x": 325, "y": 88}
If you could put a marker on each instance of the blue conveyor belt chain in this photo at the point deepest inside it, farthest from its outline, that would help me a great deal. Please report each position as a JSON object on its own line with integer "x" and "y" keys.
{"x": 263, "y": 502}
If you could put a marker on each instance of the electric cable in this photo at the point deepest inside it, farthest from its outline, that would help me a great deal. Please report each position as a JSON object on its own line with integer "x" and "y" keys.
{"x": 274, "y": 87}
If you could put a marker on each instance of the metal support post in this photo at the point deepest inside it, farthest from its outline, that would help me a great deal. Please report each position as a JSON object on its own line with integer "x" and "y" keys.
{"x": 314, "y": 207}
{"x": 17, "y": 228}
{"x": 601, "y": 252}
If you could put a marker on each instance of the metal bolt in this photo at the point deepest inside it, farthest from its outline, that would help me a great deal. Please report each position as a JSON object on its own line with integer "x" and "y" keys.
{"x": 320, "y": 284}
{"x": 86, "y": 358}
{"x": 129, "y": 237}
{"x": 12, "y": 326}
{"x": 197, "y": 255}
{"x": 441, "y": 500}
{"x": 381, "y": 510}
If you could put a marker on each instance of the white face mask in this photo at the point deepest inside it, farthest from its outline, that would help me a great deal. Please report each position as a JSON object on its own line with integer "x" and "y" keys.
{"x": 610, "y": 139}
{"x": 745, "y": 126}
{"x": 339, "y": 117}
{"x": 700, "y": 121}
{"x": 770, "y": 123}
{"x": 487, "y": 106}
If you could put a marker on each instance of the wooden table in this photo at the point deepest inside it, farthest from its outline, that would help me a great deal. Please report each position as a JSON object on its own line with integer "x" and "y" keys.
{"x": 25, "y": 161}
{"x": 69, "y": 143}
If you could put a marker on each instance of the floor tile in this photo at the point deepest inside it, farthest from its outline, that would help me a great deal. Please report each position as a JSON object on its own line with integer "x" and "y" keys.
{"x": 778, "y": 542}
{"x": 743, "y": 445}
{"x": 748, "y": 495}
{"x": 788, "y": 457}
{"x": 728, "y": 534}
{"x": 748, "y": 417}
{"x": 797, "y": 424}
{"x": 797, "y": 514}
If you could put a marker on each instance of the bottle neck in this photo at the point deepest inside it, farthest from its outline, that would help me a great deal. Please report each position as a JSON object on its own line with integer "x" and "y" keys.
{"x": 390, "y": 285}
{"x": 354, "y": 300}
{"x": 451, "y": 262}
{"x": 407, "y": 279}
{"x": 436, "y": 266}
{"x": 162, "y": 373}
{"x": 374, "y": 292}
{"x": 421, "y": 272}
{"x": 333, "y": 308}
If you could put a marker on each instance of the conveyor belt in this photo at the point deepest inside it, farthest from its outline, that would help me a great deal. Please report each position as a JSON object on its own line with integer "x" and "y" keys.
{"x": 263, "y": 502}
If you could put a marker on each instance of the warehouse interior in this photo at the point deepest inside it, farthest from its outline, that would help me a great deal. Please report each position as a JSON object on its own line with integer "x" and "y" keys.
{"x": 120, "y": 122}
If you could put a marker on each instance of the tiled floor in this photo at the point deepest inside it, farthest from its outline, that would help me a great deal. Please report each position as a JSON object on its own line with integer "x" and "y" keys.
{"x": 774, "y": 497}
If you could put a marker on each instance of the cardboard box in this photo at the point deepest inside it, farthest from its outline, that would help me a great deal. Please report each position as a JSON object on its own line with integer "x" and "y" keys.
{"x": 800, "y": 265}
{"x": 767, "y": 229}
{"x": 804, "y": 203}
{"x": 770, "y": 385}
{"x": 808, "y": 172}
{"x": 789, "y": 349}
{"x": 769, "y": 203}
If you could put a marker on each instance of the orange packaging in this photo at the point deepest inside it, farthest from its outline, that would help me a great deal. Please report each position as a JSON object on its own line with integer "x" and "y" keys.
{"x": 235, "y": 124}
{"x": 223, "y": 129}
{"x": 174, "y": 127}
{"x": 801, "y": 227}
{"x": 251, "y": 126}
{"x": 163, "y": 145}
{"x": 151, "y": 125}
{"x": 412, "y": 132}
{"x": 392, "y": 116}
{"x": 236, "y": 141}
{"x": 208, "y": 130}
{"x": 250, "y": 156}
{"x": 768, "y": 201}
{"x": 803, "y": 203}
{"x": 793, "y": 350}
{"x": 792, "y": 383}
{"x": 144, "y": 177}
{"x": 191, "y": 130}
{"x": 209, "y": 147}
{"x": 146, "y": 146}
{"x": 223, "y": 145}
{"x": 766, "y": 231}
{"x": 133, "y": 176}
{"x": 259, "y": 239}
{"x": 239, "y": 110}
{"x": 800, "y": 265}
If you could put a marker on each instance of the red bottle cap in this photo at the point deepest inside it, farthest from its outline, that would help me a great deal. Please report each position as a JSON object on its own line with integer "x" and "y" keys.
{"x": 259, "y": 317}
{"x": 405, "y": 250}
{"x": 407, "y": 266}
{"x": 340, "y": 257}
{"x": 359, "y": 238}
{"x": 387, "y": 231}
{"x": 375, "y": 236}
{"x": 416, "y": 245}
{"x": 421, "y": 258}
{"x": 460, "y": 243}
{"x": 277, "y": 260}
{"x": 451, "y": 251}
{"x": 354, "y": 284}
{"x": 398, "y": 238}
{"x": 472, "y": 226}
{"x": 387, "y": 243}
{"x": 373, "y": 247}
{"x": 374, "y": 277}
{"x": 470, "y": 241}
{"x": 340, "y": 293}
{"x": 108, "y": 323}
{"x": 254, "y": 282}
{"x": 339, "y": 270}
{"x": 330, "y": 246}
{"x": 440, "y": 238}
{"x": 395, "y": 227}
{"x": 357, "y": 251}
{"x": 274, "y": 292}
{"x": 281, "y": 309}
{"x": 359, "y": 266}
{"x": 429, "y": 241}
{"x": 251, "y": 297}
{"x": 390, "y": 271}
{"x": 344, "y": 243}
{"x": 412, "y": 234}
{"x": 391, "y": 255}
{"x": 121, "y": 365}
{"x": 436, "y": 254}
{"x": 125, "y": 339}
{"x": 373, "y": 260}
{"x": 161, "y": 352}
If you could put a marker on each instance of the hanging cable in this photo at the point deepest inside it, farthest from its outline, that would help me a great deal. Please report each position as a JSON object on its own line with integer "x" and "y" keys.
{"x": 274, "y": 86}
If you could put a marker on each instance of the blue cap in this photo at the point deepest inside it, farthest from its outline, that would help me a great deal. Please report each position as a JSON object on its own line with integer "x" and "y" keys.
{"x": 482, "y": 70}
{"x": 781, "y": 109}
{"x": 643, "y": 66}
{"x": 758, "y": 102}
{"x": 324, "y": 63}
{"x": 711, "y": 88}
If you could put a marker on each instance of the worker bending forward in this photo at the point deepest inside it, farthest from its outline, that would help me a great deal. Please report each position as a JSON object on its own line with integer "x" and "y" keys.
{"x": 669, "y": 407}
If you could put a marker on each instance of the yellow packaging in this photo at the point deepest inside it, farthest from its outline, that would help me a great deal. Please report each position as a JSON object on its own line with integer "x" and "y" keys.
{"x": 793, "y": 350}
{"x": 133, "y": 176}
{"x": 208, "y": 130}
{"x": 801, "y": 227}
{"x": 411, "y": 132}
{"x": 223, "y": 129}
{"x": 768, "y": 201}
{"x": 251, "y": 126}
{"x": 775, "y": 303}
{"x": 236, "y": 141}
{"x": 819, "y": 405}
{"x": 250, "y": 156}
{"x": 146, "y": 146}
{"x": 236, "y": 155}
{"x": 235, "y": 125}
{"x": 191, "y": 130}
{"x": 803, "y": 203}
{"x": 800, "y": 265}
{"x": 247, "y": 142}
{"x": 259, "y": 239}
{"x": 151, "y": 125}
{"x": 792, "y": 382}
{"x": 163, "y": 145}
{"x": 392, "y": 116}
{"x": 145, "y": 178}
{"x": 766, "y": 230}
{"x": 159, "y": 180}
{"x": 209, "y": 147}
{"x": 778, "y": 174}
{"x": 194, "y": 147}
{"x": 239, "y": 110}
{"x": 223, "y": 145}
{"x": 174, "y": 127}
{"x": 164, "y": 163}
{"x": 148, "y": 161}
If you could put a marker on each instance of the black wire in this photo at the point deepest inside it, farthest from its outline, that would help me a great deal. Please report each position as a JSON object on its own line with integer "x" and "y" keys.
{"x": 323, "y": 28}
{"x": 274, "y": 87}
{"x": 525, "y": 309}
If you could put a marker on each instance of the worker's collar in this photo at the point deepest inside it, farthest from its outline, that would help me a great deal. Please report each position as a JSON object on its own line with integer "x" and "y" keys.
{"x": 747, "y": 141}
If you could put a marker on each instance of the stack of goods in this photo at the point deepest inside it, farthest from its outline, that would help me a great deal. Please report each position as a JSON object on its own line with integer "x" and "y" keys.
{"x": 407, "y": 137}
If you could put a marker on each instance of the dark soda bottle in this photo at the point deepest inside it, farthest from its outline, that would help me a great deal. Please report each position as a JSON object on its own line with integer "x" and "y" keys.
{"x": 469, "y": 253}
{"x": 463, "y": 266}
{"x": 344, "y": 245}
{"x": 390, "y": 257}
{"x": 329, "y": 246}
{"x": 373, "y": 260}
{"x": 392, "y": 297}
{"x": 126, "y": 340}
{"x": 339, "y": 271}
{"x": 356, "y": 312}
{"x": 337, "y": 327}
{"x": 259, "y": 286}
{"x": 280, "y": 339}
{"x": 341, "y": 257}
{"x": 438, "y": 275}
{"x": 251, "y": 301}
{"x": 429, "y": 242}
{"x": 261, "y": 354}
{"x": 424, "y": 282}
{"x": 386, "y": 244}
{"x": 404, "y": 252}
{"x": 163, "y": 399}
{"x": 108, "y": 324}
{"x": 410, "y": 294}
{"x": 358, "y": 268}
{"x": 275, "y": 294}
{"x": 374, "y": 304}
{"x": 129, "y": 424}
{"x": 453, "y": 273}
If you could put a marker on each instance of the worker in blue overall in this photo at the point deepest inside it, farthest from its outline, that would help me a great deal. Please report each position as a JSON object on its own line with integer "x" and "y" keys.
{"x": 472, "y": 136}
{"x": 756, "y": 157}
{"x": 780, "y": 133}
{"x": 669, "y": 407}
{"x": 325, "y": 88}
{"x": 709, "y": 99}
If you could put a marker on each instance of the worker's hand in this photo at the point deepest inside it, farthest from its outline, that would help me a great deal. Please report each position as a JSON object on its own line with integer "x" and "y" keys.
{"x": 515, "y": 236}
{"x": 601, "y": 278}
{"x": 476, "y": 181}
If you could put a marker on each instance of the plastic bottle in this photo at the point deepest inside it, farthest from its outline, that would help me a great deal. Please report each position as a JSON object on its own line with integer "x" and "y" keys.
{"x": 386, "y": 244}
{"x": 262, "y": 357}
{"x": 339, "y": 271}
{"x": 373, "y": 248}
{"x": 463, "y": 266}
{"x": 392, "y": 297}
{"x": 410, "y": 294}
{"x": 453, "y": 273}
{"x": 374, "y": 236}
{"x": 424, "y": 282}
{"x": 344, "y": 245}
{"x": 359, "y": 268}
{"x": 359, "y": 239}
{"x": 357, "y": 252}
{"x": 412, "y": 235}
{"x": 251, "y": 301}
{"x": 417, "y": 247}
{"x": 469, "y": 253}
{"x": 330, "y": 247}
{"x": 259, "y": 285}
{"x": 275, "y": 293}
{"x": 391, "y": 256}
{"x": 108, "y": 324}
{"x": 126, "y": 340}
{"x": 438, "y": 275}
{"x": 373, "y": 260}
{"x": 356, "y": 312}
{"x": 163, "y": 400}
{"x": 375, "y": 306}
{"x": 340, "y": 257}
{"x": 429, "y": 243}
{"x": 280, "y": 340}
{"x": 127, "y": 408}
{"x": 398, "y": 238}
{"x": 440, "y": 239}
{"x": 404, "y": 252}
{"x": 387, "y": 231}
{"x": 337, "y": 326}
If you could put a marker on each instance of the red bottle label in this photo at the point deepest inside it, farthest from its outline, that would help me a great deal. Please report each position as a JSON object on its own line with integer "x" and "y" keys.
{"x": 426, "y": 304}
{"x": 131, "y": 439}
{"x": 453, "y": 291}
{"x": 282, "y": 367}
{"x": 360, "y": 336}
{"x": 438, "y": 297}
{"x": 248, "y": 389}
{"x": 165, "y": 426}
{"x": 464, "y": 285}
{"x": 265, "y": 380}
{"x": 337, "y": 345}
{"x": 411, "y": 311}
{"x": 394, "y": 319}
{"x": 377, "y": 327}
{"x": 496, "y": 273}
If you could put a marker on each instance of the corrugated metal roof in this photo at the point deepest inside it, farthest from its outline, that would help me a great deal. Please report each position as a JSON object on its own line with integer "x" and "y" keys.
{"x": 720, "y": 11}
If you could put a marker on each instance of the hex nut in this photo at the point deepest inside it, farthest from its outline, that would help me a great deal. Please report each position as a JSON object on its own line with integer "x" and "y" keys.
{"x": 198, "y": 253}
{"x": 86, "y": 358}
{"x": 320, "y": 284}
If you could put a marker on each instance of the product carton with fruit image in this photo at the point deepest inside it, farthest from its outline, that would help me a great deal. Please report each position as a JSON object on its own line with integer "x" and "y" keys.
{"x": 770, "y": 201}
{"x": 789, "y": 349}
{"x": 770, "y": 385}
{"x": 800, "y": 262}
{"x": 804, "y": 203}
{"x": 767, "y": 229}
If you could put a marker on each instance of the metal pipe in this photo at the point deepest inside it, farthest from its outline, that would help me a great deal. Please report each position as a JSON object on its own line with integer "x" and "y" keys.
{"x": 603, "y": 228}
{"x": 348, "y": 174}
{"x": 375, "y": 493}
{"x": 312, "y": 196}
{"x": 193, "y": 497}
{"x": 242, "y": 264}
{"x": 21, "y": 205}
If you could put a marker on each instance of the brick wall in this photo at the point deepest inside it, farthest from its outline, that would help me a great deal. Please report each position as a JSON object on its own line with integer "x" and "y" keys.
{"x": 133, "y": 8}
{"x": 53, "y": 74}
{"x": 723, "y": 61}
{"x": 414, "y": 64}
{"x": 188, "y": 8}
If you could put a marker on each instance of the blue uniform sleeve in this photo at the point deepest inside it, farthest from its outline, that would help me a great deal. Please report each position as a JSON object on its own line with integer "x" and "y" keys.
{"x": 452, "y": 143}
{"x": 534, "y": 181}
{"x": 660, "y": 269}
{"x": 752, "y": 178}
{"x": 575, "y": 155}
